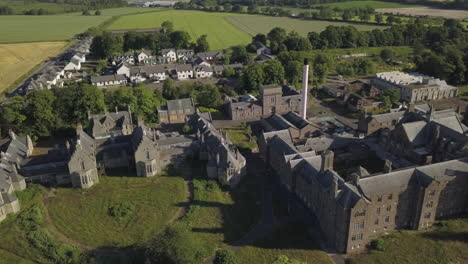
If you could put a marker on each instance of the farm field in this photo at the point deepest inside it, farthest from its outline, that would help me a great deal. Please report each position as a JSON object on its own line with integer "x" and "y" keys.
{"x": 223, "y": 29}
{"x": 18, "y": 59}
{"x": 446, "y": 243}
{"x": 263, "y": 24}
{"x": 52, "y": 8}
{"x": 426, "y": 11}
{"x": 221, "y": 33}
{"x": 119, "y": 211}
{"x": 19, "y": 28}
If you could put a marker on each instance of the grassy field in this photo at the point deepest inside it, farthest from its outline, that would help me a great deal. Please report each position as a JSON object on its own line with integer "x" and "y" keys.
{"x": 17, "y": 60}
{"x": 263, "y": 24}
{"x": 52, "y": 8}
{"x": 84, "y": 215}
{"x": 290, "y": 241}
{"x": 373, "y": 4}
{"x": 19, "y": 28}
{"x": 240, "y": 137}
{"x": 447, "y": 243}
{"x": 463, "y": 92}
{"x": 221, "y": 34}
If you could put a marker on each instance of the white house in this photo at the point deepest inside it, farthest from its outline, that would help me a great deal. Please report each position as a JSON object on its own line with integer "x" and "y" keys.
{"x": 73, "y": 65}
{"x": 143, "y": 56}
{"x": 105, "y": 80}
{"x": 184, "y": 71}
{"x": 169, "y": 55}
{"x": 202, "y": 71}
{"x": 201, "y": 62}
{"x": 122, "y": 68}
{"x": 185, "y": 54}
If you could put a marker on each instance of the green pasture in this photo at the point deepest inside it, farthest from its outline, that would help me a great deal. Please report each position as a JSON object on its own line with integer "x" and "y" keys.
{"x": 20, "y": 28}
{"x": 373, "y": 4}
{"x": 85, "y": 216}
{"x": 262, "y": 24}
{"x": 221, "y": 34}
{"x": 52, "y": 8}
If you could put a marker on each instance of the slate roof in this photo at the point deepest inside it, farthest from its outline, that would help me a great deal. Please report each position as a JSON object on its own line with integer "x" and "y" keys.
{"x": 108, "y": 78}
{"x": 183, "y": 67}
{"x": 179, "y": 105}
{"x": 415, "y": 132}
{"x": 388, "y": 117}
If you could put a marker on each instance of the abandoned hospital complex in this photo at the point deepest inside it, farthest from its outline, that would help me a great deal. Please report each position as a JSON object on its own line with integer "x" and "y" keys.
{"x": 410, "y": 170}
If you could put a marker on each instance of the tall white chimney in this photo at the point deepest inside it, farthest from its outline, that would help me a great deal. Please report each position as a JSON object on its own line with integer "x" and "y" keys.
{"x": 305, "y": 86}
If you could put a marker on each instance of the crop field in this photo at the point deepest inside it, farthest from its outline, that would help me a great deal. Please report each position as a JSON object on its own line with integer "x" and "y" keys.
{"x": 19, "y": 28}
{"x": 223, "y": 29}
{"x": 221, "y": 33}
{"x": 426, "y": 11}
{"x": 52, "y": 8}
{"x": 18, "y": 59}
{"x": 119, "y": 211}
{"x": 263, "y": 24}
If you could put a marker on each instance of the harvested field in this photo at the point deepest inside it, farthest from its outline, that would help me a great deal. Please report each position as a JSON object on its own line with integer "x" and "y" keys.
{"x": 426, "y": 11}
{"x": 18, "y": 59}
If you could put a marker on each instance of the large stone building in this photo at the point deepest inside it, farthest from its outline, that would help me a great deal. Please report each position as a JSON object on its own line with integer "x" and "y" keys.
{"x": 355, "y": 207}
{"x": 414, "y": 87}
{"x": 273, "y": 99}
{"x": 176, "y": 111}
{"x": 12, "y": 152}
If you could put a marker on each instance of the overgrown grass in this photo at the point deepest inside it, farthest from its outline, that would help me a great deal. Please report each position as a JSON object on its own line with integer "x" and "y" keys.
{"x": 447, "y": 243}
{"x": 292, "y": 241}
{"x": 218, "y": 216}
{"x": 463, "y": 92}
{"x": 86, "y": 215}
{"x": 239, "y": 135}
{"x": 24, "y": 237}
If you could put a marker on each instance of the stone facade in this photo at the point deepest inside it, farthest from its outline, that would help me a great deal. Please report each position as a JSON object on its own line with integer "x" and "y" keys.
{"x": 354, "y": 210}
{"x": 176, "y": 111}
{"x": 273, "y": 99}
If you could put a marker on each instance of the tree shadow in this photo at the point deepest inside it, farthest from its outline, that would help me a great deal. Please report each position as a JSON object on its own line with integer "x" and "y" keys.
{"x": 447, "y": 236}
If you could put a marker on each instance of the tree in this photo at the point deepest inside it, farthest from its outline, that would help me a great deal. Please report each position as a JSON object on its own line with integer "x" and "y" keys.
{"x": 167, "y": 26}
{"x": 239, "y": 55}
{"x": 225, "y": 256}
{"x": 253, "y": 77}
{"x": 209, "y": 96}
{"x": 121, "y": 98}
{"x": 273, "y": 72}
{"x": 393, "y": 94}
{"x": 180, "y": 39}
{"x": 97, "y": 13}
{"x": 260, "y": 38}
{"x": 293, "y": 71}
{"x": 106, "y": 45}
{"x": 175, "y": 245}
{"x": 379, "y": 18}
{"x": 169, "y": 89}
{"x": 386, "y": 54}
{"x": 12, "y": 112}
{"x": 6, "y": 10}
{"x": 146, "y": 103}
{"x": 229, "y": 72}
{"x": 86, "y": 13}
{"x": 276, "y": 37}
{"x": 40, "y": 112}
{"x": 202, "y": 44}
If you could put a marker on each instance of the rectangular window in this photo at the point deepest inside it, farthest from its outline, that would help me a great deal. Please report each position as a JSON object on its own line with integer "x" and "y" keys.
{"x": 359, "y": 236}
{"x": 389, "y": 208}
{"x": 353, "y": 238}
{"x": 149, "y": 169}
{"x": 430, "y": 204}
{"x": 387, "y": 219}
{"x": 379, "y": 199}
{"x": 390, "y": 196}
{"x": 432, "y": 193}
{"x": 378, "y": 210}
{"x": 363, "y": 213}
{"x": 376, "y": 221}
{"x": 427, "y": 215}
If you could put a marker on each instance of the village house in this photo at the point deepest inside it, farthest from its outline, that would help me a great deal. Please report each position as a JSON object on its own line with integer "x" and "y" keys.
{"x": 169, "y": 55}
{"x": 127, "y": 57}
{"x": 202, "y": 72}
{"x": 148, "y": 72}
{"x": 218, "y": 70}
{"x": 182, "y": 72}
{"x": 176, "y": 111}
{"x": 144, "y": 56}
{"x": 185, "y": 55}
{"x": 105, "y": 80}
{"x": 211, "y": 56}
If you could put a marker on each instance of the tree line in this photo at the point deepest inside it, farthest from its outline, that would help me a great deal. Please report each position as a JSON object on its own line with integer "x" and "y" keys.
{"x": 46, "y": 112}
{"x": 106, "y": 44}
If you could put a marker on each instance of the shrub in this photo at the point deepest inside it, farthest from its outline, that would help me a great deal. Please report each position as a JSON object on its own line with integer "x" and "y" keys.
{"x": 378, "y": 244}
{"x": 121, "y": 210}
{"x": 225, "y": 256}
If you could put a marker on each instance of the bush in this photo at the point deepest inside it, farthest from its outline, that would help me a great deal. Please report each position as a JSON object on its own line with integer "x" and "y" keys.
{"x": 97, "y": 13}
{"x": 121, "y": 210}
{"x": 378, "y": 244}
{"x": 225, "y": 256}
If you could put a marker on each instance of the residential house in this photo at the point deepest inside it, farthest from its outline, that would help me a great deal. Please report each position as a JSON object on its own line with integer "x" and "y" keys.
{"x": 183, "y": 71}
{"x": 73, "y": 65}
{"x": 202, "y": 72}
{"x": 185, "y": 55}
{"x": 201, "y": 62}
{"x": 128, "y": 57}
{"x": 211, "y": 56}
{"x": 144, "y": 56}
{"x": 105, "y": 80}
{"x": 169, "y": 55}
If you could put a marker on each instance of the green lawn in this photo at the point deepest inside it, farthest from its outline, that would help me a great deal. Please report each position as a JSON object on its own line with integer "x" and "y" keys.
{"x": 252, "y": 24}
{"x": 291, "y": 241}
{"x": 221, "y": 34}
{"x": 52, "y": 8}
{"x": 84, "y": 215}
{"x": 447, "y": 243}
{"x": 19, "y": 28}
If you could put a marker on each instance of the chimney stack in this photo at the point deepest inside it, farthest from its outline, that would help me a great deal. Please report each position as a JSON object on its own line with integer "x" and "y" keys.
{"x": 387, "y": 166}
{"x": 305, "y": 86}
{"x": 327, "y": 161}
